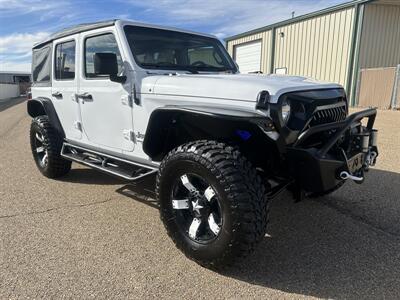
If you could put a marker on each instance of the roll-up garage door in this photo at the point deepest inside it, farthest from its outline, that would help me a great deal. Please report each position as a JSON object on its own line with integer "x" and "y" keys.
{"x": 248, "y": 57}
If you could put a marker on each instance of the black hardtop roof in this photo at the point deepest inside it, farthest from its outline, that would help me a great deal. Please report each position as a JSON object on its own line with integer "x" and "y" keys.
{"x": 73, "y": 30}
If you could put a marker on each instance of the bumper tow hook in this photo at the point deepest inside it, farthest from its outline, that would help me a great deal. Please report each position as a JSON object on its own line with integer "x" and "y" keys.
{"x": 346, "y": 175}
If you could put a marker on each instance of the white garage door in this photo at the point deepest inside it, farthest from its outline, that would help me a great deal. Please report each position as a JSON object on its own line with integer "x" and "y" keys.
{"x": 248, "y": 57}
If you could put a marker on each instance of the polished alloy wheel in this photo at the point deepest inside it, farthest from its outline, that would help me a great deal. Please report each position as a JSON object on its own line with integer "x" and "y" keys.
{"x": 197, "y": 208}
{"x": 41, "y": 150}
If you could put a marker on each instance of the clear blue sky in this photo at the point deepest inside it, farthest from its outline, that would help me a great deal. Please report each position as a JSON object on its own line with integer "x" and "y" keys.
{"x": 24, "y": 22}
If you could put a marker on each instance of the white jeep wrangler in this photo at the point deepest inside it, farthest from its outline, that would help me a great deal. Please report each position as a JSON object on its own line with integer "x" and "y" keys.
{"x": 132, "y": 100}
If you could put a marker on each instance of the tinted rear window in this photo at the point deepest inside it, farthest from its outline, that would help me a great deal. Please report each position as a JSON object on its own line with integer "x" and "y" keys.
{"x": 65, "y": 61}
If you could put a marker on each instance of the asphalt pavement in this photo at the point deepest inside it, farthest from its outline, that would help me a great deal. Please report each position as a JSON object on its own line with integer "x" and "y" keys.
{"x": 92, "y": 236}
{"x": 9, "y": 102}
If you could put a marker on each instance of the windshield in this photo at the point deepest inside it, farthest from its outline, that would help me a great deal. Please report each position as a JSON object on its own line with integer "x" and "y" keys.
{"x": 164, "y": 49}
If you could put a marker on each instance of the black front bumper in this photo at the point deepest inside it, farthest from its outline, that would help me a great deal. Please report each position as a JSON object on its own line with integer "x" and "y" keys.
{"x": 350, "y": 147}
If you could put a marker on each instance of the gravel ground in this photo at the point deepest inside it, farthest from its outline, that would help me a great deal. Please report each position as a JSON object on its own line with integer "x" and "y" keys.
{"x": 92, "y": 236}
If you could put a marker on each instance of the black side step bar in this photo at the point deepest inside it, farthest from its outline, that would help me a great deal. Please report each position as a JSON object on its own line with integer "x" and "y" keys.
{"x": 118, "y": 167}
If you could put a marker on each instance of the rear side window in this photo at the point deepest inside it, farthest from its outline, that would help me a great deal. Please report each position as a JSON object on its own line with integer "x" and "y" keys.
{"x": 65, "y": 61}
{"x": 104, "y": 43}
{"x": 41, "y": 65}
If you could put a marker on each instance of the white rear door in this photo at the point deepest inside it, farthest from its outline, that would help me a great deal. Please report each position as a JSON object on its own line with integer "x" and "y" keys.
{"x": 65, "y": 85}
{"x": 248, "y": 57}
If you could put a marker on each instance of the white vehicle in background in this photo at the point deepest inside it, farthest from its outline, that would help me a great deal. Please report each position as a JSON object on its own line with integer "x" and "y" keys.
{"x": 133, "y": 100}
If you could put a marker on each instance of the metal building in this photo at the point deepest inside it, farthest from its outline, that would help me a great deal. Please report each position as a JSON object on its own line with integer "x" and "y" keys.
{"x": 13, "y": 84}
{"x": 336, "y": 44}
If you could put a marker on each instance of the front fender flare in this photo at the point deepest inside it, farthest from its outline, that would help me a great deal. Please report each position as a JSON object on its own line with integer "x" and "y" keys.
{"x": 214, "y": 123}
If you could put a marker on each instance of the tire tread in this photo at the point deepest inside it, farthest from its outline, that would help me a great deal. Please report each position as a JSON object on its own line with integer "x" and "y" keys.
{"x": 243, "y": 187}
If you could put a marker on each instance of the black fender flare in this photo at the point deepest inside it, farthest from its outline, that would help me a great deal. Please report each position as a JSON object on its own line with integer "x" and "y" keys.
{"x": 213, "y": 122}
{"x": 43, "y": 106}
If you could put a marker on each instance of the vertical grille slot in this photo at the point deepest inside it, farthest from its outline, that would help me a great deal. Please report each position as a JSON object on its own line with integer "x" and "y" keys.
{"x": 330, "y": 114}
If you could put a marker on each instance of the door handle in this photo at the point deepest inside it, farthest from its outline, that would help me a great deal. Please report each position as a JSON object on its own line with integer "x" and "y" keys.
{"x": 85, "y": 97}
{"x": 57, "y": 95}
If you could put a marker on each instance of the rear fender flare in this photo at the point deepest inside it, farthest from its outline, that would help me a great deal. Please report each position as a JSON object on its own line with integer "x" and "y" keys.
{"x": 42, "y": 106}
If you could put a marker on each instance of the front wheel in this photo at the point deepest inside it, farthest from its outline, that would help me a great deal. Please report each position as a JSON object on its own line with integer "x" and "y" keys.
{"x": 212, "y": 202}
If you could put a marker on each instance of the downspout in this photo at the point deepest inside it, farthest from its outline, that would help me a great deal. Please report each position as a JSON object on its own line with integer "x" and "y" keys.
{"x": 272, "y": 57}
{"x": 352, "y": 73}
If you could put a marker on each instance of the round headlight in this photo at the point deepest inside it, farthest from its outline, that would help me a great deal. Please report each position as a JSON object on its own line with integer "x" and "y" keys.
{"x": 285, "y": 111}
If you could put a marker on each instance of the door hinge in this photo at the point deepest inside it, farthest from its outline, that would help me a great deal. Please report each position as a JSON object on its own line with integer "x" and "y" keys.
{"x": 129, "y": 135}
{"x": 78, "y": 125}
{"x": 135, "y": 96}
{"x": 126, "y": 100}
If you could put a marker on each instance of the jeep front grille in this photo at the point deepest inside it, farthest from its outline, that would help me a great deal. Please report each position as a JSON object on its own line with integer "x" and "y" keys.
{"x": 329, "y": 114}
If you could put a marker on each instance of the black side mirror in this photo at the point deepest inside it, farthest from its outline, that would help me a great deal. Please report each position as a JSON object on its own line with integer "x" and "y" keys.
{"x": 106, "y": 64}
{"x": 119, "y": 79}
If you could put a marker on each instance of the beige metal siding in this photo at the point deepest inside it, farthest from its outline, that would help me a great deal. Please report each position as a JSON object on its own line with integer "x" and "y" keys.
{"x": 265, "y": 37}
{"x": 380, "y": 41}
{"x": 376, "y": 87}
{"x": 318, "y": 47}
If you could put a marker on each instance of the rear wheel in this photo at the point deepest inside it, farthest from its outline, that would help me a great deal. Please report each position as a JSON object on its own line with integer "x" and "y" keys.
{"x": 46, "y": 147}
{"x": 212, "y": 202}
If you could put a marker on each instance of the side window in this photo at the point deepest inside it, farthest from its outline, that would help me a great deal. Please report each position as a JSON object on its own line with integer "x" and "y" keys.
{"x": 105, "y": 43}
{"x": 65, "y": 61}
{"x": 41, "y": 64}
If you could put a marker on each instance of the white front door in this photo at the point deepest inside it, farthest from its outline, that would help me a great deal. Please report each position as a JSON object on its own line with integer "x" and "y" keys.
{"x": 105, "y": 106}
{"x": 248, "y": 57}
{"x": 65, "y": 85}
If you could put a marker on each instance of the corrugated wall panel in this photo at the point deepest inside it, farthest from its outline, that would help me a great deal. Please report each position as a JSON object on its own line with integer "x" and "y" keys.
{"x": 380, "y": 40}
{"x": 265, "y": 37}
{"x": 318, "y": 47}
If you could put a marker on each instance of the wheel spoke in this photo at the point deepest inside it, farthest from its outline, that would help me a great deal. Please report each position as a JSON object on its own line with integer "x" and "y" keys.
{"x": 180, "y": 204}
{"x": 187, "y": 184}
{"x": 39, "y": 137}
{"x": 215, "y": 228}
{"x": 209, "y": 193}
{"x": 44, "y": 159}
{"x": 194, "y": 227}
{"x": 39, "y": 149}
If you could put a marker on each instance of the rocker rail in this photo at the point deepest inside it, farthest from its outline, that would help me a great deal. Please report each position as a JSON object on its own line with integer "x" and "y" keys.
{"x": 122, "y": 168}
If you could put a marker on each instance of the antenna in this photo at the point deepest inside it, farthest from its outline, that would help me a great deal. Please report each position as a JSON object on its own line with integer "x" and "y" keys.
{"x": 293, "y": 13}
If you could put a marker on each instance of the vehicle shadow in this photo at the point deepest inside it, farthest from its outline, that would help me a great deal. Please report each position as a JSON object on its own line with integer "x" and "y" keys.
{"x": 336, "y": 247}
{"x": 8, "y": 103}
{"x": 90, "y": 176}
{"x": 345, "y": 245}
{"x": 141, "y": 191}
